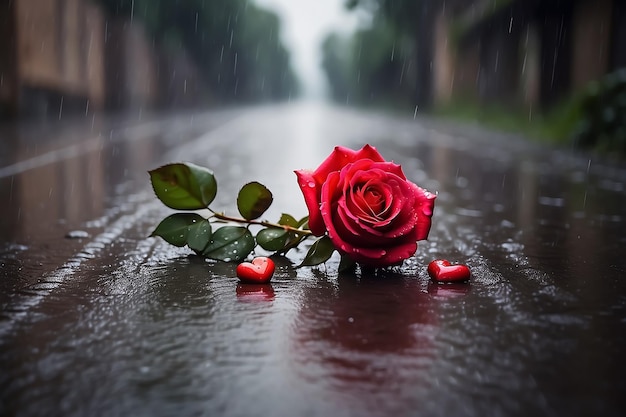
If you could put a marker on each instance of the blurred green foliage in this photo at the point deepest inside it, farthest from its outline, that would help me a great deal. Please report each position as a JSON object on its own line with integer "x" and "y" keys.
{"x": 235, "y": 44}
{"x": 386, "y": 63}
{"x": 592, "y": 119}
{"x": 552, "y": 127}
{"x": 601, "y": 114}
{"x": 369, "y": 67}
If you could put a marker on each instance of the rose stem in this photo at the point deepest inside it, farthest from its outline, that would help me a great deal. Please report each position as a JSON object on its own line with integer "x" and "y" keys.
{"x": 222, "y": 216}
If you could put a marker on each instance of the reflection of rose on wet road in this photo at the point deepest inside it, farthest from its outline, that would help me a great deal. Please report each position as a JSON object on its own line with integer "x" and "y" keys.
{"x": 361, "y": 338}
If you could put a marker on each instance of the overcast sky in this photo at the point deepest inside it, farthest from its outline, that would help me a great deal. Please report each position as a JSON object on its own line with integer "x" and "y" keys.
{"x": 305, "y": 23}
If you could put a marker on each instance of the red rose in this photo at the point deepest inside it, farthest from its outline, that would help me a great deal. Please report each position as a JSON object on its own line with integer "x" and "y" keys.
{"x": 368, "y": 208}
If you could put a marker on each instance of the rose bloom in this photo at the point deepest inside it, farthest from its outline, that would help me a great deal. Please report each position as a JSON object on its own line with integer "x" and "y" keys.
{"x": 368, "y": 208}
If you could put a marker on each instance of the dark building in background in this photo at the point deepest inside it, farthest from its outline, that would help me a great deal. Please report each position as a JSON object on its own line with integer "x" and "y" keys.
{"x": 525, "y": 52}
{"x": 60, "y": 57}
{"x": 51, "y": 57}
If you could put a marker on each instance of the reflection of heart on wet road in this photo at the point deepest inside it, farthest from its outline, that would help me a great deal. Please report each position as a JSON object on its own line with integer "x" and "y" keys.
{"x": 442, "y": 270}
{"x": 255, "y": 292}
{"x": 259, "y": 271}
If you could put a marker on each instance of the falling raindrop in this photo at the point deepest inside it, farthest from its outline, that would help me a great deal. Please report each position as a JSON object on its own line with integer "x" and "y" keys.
{"x": 497, "y": 61}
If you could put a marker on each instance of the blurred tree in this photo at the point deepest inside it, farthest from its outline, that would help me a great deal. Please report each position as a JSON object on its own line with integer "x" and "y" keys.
{"x": 391, "y": 60}
{"x": 337, "y": 66}
{"x": 235, "y": 44}
{"x": 370, "y": 67}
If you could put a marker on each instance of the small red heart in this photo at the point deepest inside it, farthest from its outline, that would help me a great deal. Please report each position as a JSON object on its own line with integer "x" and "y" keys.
{"x": 259, "y": 271}
{"x": 443, "y": 271}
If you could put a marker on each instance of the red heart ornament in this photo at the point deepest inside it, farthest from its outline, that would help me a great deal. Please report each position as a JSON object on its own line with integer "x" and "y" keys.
{"x": 441, "y": 270}
{"x": 259, "y": 271}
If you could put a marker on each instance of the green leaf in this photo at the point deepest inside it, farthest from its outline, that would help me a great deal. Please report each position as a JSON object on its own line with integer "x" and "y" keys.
{"x": 345, "y": 264}
{"x": 174, "y": 229}
{"x": 230, "y": 243}
{"x": 288, "y": 220}
{"x": 272, "y": 239}
{"x": 200, "y": 234}
{"x": 253, "y": 200}
{"x": 304, "y": 223}
{"x": 319, "y": 252}
{"x": 184, "y": 186}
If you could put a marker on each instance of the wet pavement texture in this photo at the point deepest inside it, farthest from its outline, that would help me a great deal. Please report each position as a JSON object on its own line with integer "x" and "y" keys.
{"x": 97, "y": 319}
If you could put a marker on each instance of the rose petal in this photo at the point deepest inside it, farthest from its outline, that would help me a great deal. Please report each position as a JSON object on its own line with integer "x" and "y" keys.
{"x": 425, "y": 203}
{"x": 326, "y": 208}
{"x": 342, "y": 156}
{"x": 311, "y": 193}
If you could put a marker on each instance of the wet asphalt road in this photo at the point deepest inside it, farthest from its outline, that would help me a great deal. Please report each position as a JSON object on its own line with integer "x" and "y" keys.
{"x": 97, "y": 319}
